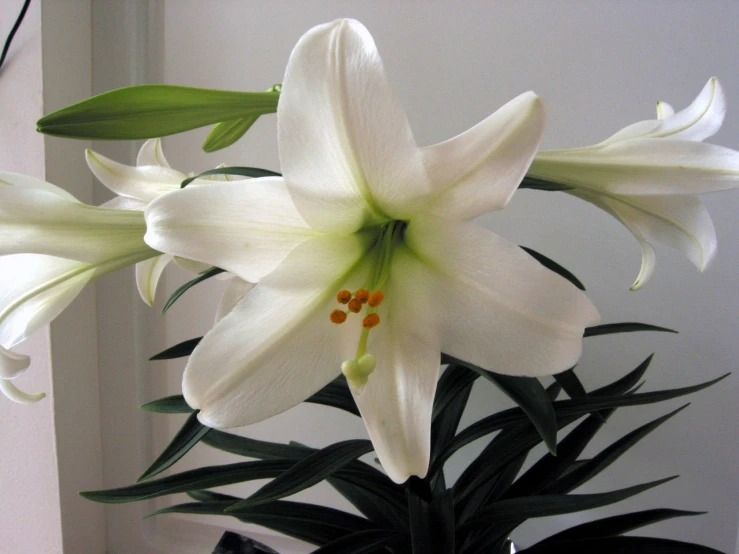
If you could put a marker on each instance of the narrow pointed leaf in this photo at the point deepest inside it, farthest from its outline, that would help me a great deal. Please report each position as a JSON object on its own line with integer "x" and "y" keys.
{"x": 362, "y": 542}
{"x": 551, "y": 505}
{"x": 150, "y": 111}
{"x": 454, "y": 381}
{"x": 252, "y": 448}
{"x": 591, "y": 404}
{"x": 541, "y": 184}
{"x": 452, "y": 394}
{"x": 213, "y": 271}
{"x": 227, "y": 132}
{"x": 335, "y": 395}
{"x": 196, "y": 479}
{"x": 187, "y": 437}
{"x": 554, "y": 266}
{"x": 308, "y": 522}
{"x": 616, "y": 525}
{"x": 180, "y": 350}
{"x": 571, "y": 383}
{"x": 309, "y": 471}
{"x": 606, "y": 457}
{"x": 240, "y": 171}
{"x": 168, "y": 405}
{"x": 373, "y": 506}
{"x": 625, "y": 383}
{"x": 622, "y": 545}
{"x": 628, "y": 327}
{"x": 211, "y": 496}
{"x": 528, "y": 393}
{"x": 233, "y": 543}
{"x": 549, "y": 468}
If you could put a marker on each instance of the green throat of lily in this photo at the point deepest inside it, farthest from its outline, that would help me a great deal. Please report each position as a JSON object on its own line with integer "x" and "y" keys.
{"x": 366, "y": 299}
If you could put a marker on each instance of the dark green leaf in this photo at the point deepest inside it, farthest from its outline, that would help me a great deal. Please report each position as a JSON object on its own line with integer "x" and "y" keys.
{"x": 371, "y": 505}
{"x": 549, "y": 468}
{"x": 309, "y": 471}
{"x": 210, "y": 496}
{"x": 336, "y": 395}
{"x": 451, "y": 398}
{"x": 592, "y": 404}
{"x": 187, "y": 286}
{"x": 598, "y": 463}
{"x": 180, "y": 350}
{"x": 362, "y": 542}
{"x": 555, "y": 267}
{"x": 571, "y": 383}
{"x": 196, "y": 479}
{"x": 150, "y": 111}
{"x": 551, "y": 505}
{"x": 622, "y": 545}
{"x": 308, "y": 522}
{"x": 252, "y": 448}
{"x": 227, "y": 132}
{"x": 168, "y": 405}
{"x": 625, "y": 383}
{"x": 629, "y": 327}
{"x": 432, "y": 524}
{"x": 528, "y": 393}
{"x": 616, "y": 525}
{"x": 240, "y": 171}
{"x": 187, "y": 437}
{"x": 541, "y": 184}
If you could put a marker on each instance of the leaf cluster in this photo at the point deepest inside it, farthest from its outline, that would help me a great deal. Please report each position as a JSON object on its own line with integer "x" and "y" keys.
{"x": 492, "y": 497}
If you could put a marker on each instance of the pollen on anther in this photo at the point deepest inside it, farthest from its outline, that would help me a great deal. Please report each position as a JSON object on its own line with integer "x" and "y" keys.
{"x": 372, "y": 320}
{"x": 355, "y": 306}
{"x": 362, "y": 295}
{"x": 338, "y": 316}
{"x": 344, "y": 296}
{"x": 376, "y": 298}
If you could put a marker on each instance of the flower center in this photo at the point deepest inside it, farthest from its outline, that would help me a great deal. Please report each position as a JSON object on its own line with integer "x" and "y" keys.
{"x": 358, "y": 369}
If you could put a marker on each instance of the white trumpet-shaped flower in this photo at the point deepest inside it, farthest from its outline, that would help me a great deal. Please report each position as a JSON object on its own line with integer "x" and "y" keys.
{"x": 51, "y": 245}
{"x": 649, "y": 175}
{"x": 364, "y": 260}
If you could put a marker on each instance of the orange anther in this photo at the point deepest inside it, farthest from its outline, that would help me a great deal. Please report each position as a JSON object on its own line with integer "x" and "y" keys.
{"x": 362, "y": 295}
{"x": 338, "y": 316}
{"x": 344, "y": 296}
{"x": 372, "y": 320}
{"x": 355, "y": 306}
{"x": 376, "y": 298}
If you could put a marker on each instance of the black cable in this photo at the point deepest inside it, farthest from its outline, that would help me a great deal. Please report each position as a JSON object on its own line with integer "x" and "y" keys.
{"x": 14, "y": 30}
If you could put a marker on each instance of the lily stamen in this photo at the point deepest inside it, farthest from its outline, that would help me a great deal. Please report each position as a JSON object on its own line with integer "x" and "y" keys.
{"x": 338, "y": 316}
{"x": 343, "y": 296}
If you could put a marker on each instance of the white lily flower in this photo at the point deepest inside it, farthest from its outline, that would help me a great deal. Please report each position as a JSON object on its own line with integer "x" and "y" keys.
{"x": 649, "y": 175}
{"x": 51, "y": 246}
{"x": 363, "y": 260}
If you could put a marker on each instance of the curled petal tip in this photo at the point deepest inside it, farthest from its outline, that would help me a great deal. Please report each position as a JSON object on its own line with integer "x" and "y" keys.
{"x": 12, "y": 363}
{"x": 17, "y": 395}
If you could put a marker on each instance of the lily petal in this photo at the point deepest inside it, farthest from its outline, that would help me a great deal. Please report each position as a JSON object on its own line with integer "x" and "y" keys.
{"x": 151, "y": 153}
{"x": 397, "y": 402}
{"x": 346, "y": 149}
{"x": 702, "y": 119}
{"x": 236, "y": 290}
{"x": 681, "y": 222}
{"x": 17, "y": 395}
{"x": 143, "y": 183}
{"x": 277, "y": 346}
{"x": 24, "y": 181}
{"x": 34, "y": 289}
{"x": 246, "y": 227}
{"x": 643, "y": 166}
{"x": 148, "y": 273}
{"x": 479, "y": 170}
{"x": 497, "y": 307}
{"x": 664, "y": 110}
{"x": 12, "y": 363}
